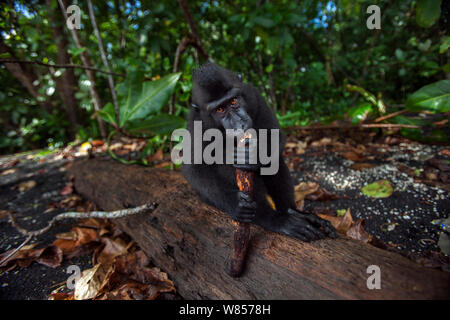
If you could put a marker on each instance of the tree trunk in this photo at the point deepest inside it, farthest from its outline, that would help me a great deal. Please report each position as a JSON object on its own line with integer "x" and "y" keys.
{"x": 192, "y": 242}
{"x": 67, "y": 83}
{"x": 24, "y": 75}
{"x": 89, "y": 73}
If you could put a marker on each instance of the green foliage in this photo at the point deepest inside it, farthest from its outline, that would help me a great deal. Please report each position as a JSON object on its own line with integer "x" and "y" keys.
{"x": 137, "y": 99}
{"x": 301, "y": 55}
{"x": 378, "y": 189}
{"x": 434, "y": 97}
{"x": 159, "y": 124}
{"x": 360, "y": 112}
{"x": 428, "y": 11}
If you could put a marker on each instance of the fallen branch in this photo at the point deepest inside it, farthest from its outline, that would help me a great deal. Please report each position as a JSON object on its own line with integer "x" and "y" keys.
{"x": 358, "y": 126}
{"x": 63, "y": 66}
{"x": 146, "y": 208}
{"x": 391, "y": 115}
{"x": 13, "y": 253}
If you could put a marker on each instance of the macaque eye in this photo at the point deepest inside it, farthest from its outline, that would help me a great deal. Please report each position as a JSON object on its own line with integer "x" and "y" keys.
{"x": 233, "y": 101}
{"x": 220, "y": 110}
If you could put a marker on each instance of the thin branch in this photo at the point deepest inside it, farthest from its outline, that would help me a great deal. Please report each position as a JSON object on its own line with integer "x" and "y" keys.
{"x": 359, "y": 126}
{"x": 105, "y": 60}
{"x": 148, "y": 207}
{"x": 13, "y": 253}
{"x": 187, "y": 13}
{"x": 391, "y": 115}
{"x": 64, "y": 66}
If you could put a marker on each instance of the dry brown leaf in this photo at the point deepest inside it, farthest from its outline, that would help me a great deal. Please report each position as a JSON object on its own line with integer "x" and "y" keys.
{"x": 324, "y": 211}
{"x": 71, "y": 235}
{"x": 441, "y": 164}
{"x": 110, "y": 250}
{"x": 322, "y": 142}
{"x": 9, "y": 171}
{"x": 70, "y": 202}
{"x": 26, "y": 185}
{"x": 303, "y": 189}
{"x": 85, "y": 235}
{"x": 157, "y": 156}
{"x": 357, "y": 232}
{"x": 353, "y": 156}
{"x": 73, "y": 243}
{"x": 362, "y": 166}
{"x": 162, "y": 164}
{"x": 322, "y": 195}
{"x": 67, "y": 246}
{"x": 97, "y": 143}
{"x": 116, "y": 146}
{"x": 9, "y": 164}
{"x": 93, "y": 223}
{"x": 87, "y": 287}
{"x": 4, "y": 214}
{"x": 50, "y": 256}
{"x": 341, "y": 224}
{"x": 68, "y": 189}
{"x": 61, "y": 296}
{"x": 130, "y": 271}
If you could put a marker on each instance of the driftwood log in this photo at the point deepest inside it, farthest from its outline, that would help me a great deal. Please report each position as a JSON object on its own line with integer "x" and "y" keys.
{"x": 192, "y": 242}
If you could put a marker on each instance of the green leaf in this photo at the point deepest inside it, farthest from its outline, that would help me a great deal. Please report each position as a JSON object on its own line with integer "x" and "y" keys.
{"x": 400, "y": 54}
{"x": 128, "y": 93}
{"x": 155, "y": 95}
{"x": 264, "y": 22}
{"x": 108, "y": 113}
{"x": 269, "y": 68}
{"x": 428, "y": 12}
{"x": 444, "y": 45}
{"x": 378, "y": 189}
{"x": 139, "y": 100}
{"x": 360, "y": 113}
{"x": 435, "y": 96}
{"x": 77, "y": 51}
{"x": 159, "y": 124}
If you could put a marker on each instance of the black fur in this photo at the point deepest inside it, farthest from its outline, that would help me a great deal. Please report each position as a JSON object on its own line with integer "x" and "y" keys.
{"x": 216, "y": 184}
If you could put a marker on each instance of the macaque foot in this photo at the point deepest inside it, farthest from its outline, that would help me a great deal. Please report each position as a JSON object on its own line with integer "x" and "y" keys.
{"x": 307, "y": 227}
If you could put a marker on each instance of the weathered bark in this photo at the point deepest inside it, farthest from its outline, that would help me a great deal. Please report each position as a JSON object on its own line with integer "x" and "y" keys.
{"x": 193, "y": 243}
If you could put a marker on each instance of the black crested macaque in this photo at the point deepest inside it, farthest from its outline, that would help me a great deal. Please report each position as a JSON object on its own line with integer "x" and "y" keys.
{"x": 221, "y": 100}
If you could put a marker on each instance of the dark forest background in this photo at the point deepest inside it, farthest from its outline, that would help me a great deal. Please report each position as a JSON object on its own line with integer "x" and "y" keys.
{"x": 314, "y": 61}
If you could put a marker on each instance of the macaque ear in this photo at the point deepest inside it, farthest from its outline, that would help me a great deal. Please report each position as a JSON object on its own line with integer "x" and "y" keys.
{"x": 194, "y": 106}
{"x": 239, "y": 75}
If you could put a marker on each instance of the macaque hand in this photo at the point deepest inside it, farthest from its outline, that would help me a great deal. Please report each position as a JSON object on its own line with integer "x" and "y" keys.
{"x": 246, "y": 209}
{"x": 244, "y": 154}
